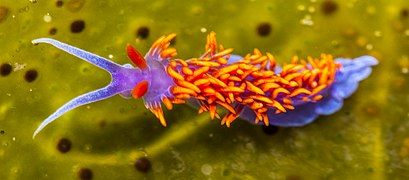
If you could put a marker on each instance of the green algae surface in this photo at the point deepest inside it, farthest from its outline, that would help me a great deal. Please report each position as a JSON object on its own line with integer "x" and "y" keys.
{"x": 120, "y": 139}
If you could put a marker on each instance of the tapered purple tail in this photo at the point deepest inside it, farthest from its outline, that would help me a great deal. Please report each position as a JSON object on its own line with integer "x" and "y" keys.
{"x": 346, "y": 83}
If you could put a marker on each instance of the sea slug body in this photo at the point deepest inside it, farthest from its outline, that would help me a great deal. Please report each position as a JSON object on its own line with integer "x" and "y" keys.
{"x": 253, "y": 87}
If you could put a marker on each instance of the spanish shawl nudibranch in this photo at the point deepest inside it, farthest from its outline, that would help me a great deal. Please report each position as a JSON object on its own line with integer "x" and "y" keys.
{"x": 252, "y": 87}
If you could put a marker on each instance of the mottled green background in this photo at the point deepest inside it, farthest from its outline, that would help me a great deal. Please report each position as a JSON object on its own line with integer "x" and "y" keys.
{"x": 368, "y": 138}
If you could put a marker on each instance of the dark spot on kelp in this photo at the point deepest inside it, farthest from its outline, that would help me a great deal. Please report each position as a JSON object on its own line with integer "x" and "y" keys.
{"x": 143, "y": 164}
{"x": 264, "y": 29}
{"x": 142, "y": 32}
{"x": 85, "y": 174}
{"x": 59, "y": 3}
{"x": 270, "y": 130}
{"x": 64, "y": 145}
{"x": 2, "y": 132}
{"x": 329, "y": 7}
{"x": 3, "y": 13}
{"x": 52, "y": 31}
{"x": 31, "y": 75}
{"x": 404, "y": 13}
{"x": 5, "y": 69}
{"x": 77, "y": 26}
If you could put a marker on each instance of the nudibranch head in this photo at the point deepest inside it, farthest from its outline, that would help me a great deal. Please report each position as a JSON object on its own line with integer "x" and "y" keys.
{"x": 158, "y": 81}
{"x": 148, "y": 79}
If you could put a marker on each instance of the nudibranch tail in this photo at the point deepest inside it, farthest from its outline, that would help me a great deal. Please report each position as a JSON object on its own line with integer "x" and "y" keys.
{"x": 346, "y": 81}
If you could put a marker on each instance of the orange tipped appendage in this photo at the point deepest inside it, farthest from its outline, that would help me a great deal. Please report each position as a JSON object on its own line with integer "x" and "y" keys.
{"x": 140, "y": 89}
{"x": 136, "y": 57}
{"x": 160, "y": 48}
{"x": 249, "y": 82}
{"x": 158, "y": 112}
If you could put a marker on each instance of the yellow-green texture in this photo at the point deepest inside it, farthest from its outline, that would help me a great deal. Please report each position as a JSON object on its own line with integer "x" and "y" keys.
{"x": 368, "y": 138}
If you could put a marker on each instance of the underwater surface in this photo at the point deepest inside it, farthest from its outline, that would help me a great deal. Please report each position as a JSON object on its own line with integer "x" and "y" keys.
{"x": 121, "y": 139}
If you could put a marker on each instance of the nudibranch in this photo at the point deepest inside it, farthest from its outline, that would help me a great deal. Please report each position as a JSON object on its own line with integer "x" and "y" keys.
{"x": 252, "y": 87}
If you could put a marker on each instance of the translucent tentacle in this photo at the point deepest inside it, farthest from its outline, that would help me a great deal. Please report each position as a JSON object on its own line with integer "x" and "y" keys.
{"x": 87, "y": 56}
{"x": 84, "y": 99}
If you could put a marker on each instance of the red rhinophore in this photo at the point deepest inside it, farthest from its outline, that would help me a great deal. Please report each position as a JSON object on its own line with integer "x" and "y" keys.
{"x": 136, "y": 57}
{"x": 140, "y": 89}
